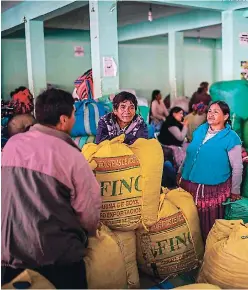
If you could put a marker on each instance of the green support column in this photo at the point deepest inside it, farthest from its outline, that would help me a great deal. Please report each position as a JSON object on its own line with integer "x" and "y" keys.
{"x": 104, "y": 44}
{"x": 36, "y": 61}
{"x": 233, "y": 23}
{"x": 176, "y": 64}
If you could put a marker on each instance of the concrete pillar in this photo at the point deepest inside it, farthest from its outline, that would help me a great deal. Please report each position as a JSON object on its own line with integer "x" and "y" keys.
{"x": 36, "y": 60}
{"x": 176, "y": 64}
{"x": 233, "y": 23}
{"x": 104, "y": 44}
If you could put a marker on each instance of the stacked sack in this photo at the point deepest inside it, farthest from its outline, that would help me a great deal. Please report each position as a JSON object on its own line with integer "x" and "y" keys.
{"x": 166, "y": 226}
{"x": 130, "y": 178}
{"x": 226, "y": 256}
{"x": 88, "y": 111}
{"x": 172, "y": 245}
{"x": 244, "y": 188}
{"x": 234, "y": 93}
{"x": 29, "y": 279}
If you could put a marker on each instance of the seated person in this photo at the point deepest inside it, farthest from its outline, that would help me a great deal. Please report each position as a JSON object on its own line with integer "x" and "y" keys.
{"x": 123, "y": 120}
{"x": 196, "y": 118}
{"x": 173, "y": 133}
{"x": 22, "y": 101}
{"x": 20, "y": 124}
{"x": 201, "y": 95}
{"x": 158, "y": 111}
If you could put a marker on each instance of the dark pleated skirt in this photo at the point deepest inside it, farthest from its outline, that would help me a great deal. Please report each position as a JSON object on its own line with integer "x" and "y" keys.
{"x": 208, "y": 199}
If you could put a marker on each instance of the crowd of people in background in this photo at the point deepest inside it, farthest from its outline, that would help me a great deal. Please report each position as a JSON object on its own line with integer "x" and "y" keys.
{"x": 202, "y": 154}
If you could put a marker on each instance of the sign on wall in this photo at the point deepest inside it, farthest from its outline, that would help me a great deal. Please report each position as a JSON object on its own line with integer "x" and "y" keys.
{"x": 109, "y": 67}
{"x": 244, "y": 70}
{"x": 243, "y": 38}
{"x": 78, "y": 51}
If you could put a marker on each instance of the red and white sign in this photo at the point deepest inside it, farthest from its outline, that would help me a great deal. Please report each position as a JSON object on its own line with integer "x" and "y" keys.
{"x": 78, "y": 51}
{"x": 243, "y": 38}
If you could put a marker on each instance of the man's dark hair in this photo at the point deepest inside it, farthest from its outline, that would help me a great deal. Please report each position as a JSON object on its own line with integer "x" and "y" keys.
{"x": 122, "y": 97}
{"x": 51, "y": 104}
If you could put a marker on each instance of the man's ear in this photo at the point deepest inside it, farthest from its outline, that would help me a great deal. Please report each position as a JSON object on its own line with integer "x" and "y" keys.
{"x": 63, "y": 119}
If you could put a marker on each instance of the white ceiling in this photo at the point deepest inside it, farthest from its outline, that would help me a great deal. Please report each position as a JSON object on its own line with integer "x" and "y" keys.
{"x": 129, "y": 12}
{"x": 5, "y": 5}
{"x": 205, "y": 32}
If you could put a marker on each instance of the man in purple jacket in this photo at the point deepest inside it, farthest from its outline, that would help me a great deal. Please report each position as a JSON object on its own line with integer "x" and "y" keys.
{"x": 123, "y": 120}
{"x": 50, "y": 198}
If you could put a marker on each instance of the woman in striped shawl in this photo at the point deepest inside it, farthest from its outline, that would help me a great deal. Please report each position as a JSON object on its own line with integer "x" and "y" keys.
{"x": 123, "y": 120}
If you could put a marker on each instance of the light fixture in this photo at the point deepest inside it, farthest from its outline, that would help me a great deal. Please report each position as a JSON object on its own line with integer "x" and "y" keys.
{"x": 199, "y": 36}
{"x": 150, "y": 14}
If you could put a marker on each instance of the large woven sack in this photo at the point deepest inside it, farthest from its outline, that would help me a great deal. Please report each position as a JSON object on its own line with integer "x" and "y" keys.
{"x": 35, "y": 280}
{"x": 184, "y": 200}
{"x": 143, "y": 111}
{"x": 221, "y": 230}
{"x": 245, "y": 133}
{"x": 198, "y": 286}
{"x": 81, "y": 141}
{"x": 237, "y": 124}
{"x": 105, "y": 265}
{"x": 236, "y": 210}
{"x": 245, "y": 180}
{"x": 87, "y": 115}
{"x": 130, "y": 178}
{"x": 84, "y": 86}
{"x": 168, "y": 248}
{"x": 127, "y": 244}
{"x": 234, "y": 93}
{"x": 225, "y": 261}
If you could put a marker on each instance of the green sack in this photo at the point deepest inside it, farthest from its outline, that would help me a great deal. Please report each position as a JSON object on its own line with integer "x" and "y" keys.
{"x": 237, "y": 123}
{"x": 234, "y": 93}
{"x": 108, "y": 105}
{"x": 245, "y": 132}
{"x": 244, "y": 188}
{"x": 236, "y": 210}
{"x": 81, "y": 141}
{"x": 143, "y": 111}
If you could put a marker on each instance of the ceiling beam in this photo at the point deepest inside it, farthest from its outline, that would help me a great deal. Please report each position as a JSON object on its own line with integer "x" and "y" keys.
{"x": 209, "y": 5}
{"x": 179, "y": 22}
{"x": 246, "y": 13}
{"x": 42, "y": 10}
{"x": 237, "y": 5}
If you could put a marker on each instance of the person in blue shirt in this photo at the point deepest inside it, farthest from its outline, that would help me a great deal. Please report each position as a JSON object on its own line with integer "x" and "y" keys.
{"x": 212, "y": 169}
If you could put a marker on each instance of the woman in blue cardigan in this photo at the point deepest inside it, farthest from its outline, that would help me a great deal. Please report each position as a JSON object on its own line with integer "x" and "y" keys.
{"x": 212, "y": 170}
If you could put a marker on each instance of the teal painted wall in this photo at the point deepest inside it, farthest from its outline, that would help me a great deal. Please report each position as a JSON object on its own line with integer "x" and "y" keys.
{"x": 143, "y": 63}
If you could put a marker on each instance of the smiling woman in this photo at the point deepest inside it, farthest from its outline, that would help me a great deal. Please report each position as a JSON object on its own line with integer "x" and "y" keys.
{"x": 123, "y": 120}
{"x": 212, "y": 170}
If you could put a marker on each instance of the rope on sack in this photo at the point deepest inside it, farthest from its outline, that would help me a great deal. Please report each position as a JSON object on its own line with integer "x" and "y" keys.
{"x": 197, "y": 194}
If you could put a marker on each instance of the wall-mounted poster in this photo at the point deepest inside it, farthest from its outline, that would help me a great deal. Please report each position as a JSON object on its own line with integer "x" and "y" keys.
{"x": 243, "y": 38}
{"x": 109, "y": 67}
{"x": 78, "y": 51}
{"x": 244, "y": 70}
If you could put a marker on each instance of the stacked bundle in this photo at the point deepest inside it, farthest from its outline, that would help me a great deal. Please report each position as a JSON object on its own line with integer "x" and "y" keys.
{"x": 225, "y": 259}
{"x": 234, "y": 93}
{"x": 164, "y": 228}
{"x": 237, "y": 210}
{"x": 88, "y": 111}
